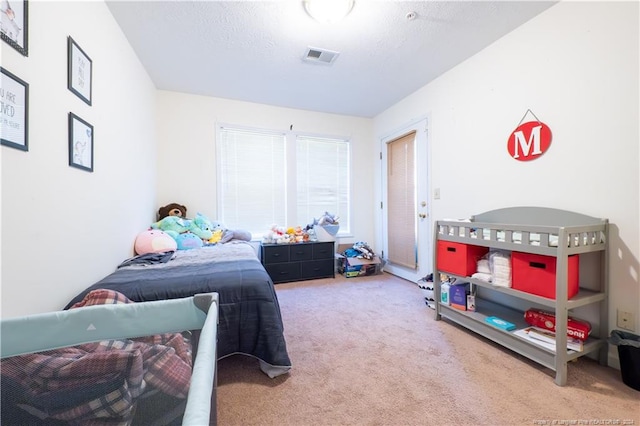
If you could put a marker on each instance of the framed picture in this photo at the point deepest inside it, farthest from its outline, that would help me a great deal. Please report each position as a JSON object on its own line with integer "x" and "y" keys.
{"x": 80, "y": 143}
{"x": 79, "y": 72}
{"x": 13, "y": 23}
{"x": 14, "y": 111}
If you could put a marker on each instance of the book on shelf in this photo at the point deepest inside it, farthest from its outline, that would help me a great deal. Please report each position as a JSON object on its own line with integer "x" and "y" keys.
{"x": 547, "y": 338}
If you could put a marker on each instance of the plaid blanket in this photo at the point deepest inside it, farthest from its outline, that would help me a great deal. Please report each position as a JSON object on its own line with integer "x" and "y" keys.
{"x": 99, "y": 383}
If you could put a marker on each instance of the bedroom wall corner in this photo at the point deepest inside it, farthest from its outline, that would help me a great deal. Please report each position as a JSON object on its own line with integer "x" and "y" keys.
{"x": 66, "y": 228}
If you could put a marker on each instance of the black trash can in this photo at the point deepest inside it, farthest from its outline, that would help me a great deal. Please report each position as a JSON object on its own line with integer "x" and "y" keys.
{"x": 629, "y": 354}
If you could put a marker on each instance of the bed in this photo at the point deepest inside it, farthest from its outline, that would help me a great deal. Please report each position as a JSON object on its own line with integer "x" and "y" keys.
{"x": 250, "y": 321}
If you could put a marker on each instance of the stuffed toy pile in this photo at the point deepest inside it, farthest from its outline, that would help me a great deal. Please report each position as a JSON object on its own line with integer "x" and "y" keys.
{"x": 281, "y": 235}
{"x": 185, "y": 233}
{"x": 297, "y": 234}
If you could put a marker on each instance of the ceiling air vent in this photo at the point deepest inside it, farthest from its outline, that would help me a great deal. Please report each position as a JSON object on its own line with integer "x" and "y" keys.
{"x": 320, "y": 56}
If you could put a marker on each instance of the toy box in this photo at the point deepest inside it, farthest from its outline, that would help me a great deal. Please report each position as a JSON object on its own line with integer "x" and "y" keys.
{"x": 459, "y": 259}
{"x": 536, "y": 274}
{"x": 355, "y": 267}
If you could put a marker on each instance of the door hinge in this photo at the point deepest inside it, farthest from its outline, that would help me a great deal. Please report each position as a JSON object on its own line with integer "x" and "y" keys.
{"x": 380, "y": 204}
{"x": 380, "y": 155}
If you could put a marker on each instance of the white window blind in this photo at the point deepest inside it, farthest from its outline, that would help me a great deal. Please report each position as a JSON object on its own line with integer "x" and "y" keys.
{"x": 322, "y": 179}
{"x": 401, "y": 201}
{"x": 251, "y": 179}
{"x": 281, "y": 178}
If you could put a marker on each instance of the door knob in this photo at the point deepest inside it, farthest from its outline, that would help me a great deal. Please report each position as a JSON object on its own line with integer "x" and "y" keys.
{"x": 422, "y": 215}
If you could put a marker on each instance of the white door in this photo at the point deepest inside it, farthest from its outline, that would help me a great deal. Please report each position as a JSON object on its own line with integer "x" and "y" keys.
{"x": 406, "y": 219}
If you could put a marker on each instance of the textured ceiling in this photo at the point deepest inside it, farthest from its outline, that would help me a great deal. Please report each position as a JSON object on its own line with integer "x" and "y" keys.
{"x": 252, "y": 51}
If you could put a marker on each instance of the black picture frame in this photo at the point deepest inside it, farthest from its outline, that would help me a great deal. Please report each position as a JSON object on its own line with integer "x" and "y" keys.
{"x": 14, "y": 24}
{"x": 79, "y": 71}
{"x": 80, "y": 143}
{"x": 14, "y": 111}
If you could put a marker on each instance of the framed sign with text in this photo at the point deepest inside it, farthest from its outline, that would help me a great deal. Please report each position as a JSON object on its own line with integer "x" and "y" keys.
{"x": 80, "y": 68}
{"x": 13, "y": 24}
{"x": 14, "y": 111}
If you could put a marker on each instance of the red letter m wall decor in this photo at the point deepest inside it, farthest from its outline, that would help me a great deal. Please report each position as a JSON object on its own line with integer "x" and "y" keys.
{"x": 529, "y": 140}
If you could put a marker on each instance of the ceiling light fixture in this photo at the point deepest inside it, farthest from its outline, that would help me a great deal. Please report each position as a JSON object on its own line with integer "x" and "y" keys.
{"x": 328, "y": 11}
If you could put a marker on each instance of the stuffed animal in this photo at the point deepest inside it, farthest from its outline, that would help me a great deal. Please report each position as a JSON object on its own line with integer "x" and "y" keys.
{"x": 188, "y": 241}
{"x": 202, "y": 227}
{"x": 154, "y": 241}
{"x": 172, "y": 223}
{"x": 235, "y": 234}
{"x": 173, "y": 209}
{"x": 216, "y": 236}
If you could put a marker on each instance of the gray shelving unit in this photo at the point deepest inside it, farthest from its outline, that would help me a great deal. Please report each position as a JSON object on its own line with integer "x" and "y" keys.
{"x": 543, "y": 231}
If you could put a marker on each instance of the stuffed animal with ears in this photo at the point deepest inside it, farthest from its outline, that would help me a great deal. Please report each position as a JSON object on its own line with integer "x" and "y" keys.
{"x": 173, "y": 209}
{"x": 172, "y": 223}
{"x": 202, "y": 227}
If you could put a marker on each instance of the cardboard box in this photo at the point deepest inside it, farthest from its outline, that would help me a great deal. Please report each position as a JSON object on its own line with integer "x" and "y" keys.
{"x": 536, "y": 274}
{"x": 459, "y": 259}
{"x": 355, "y": 267}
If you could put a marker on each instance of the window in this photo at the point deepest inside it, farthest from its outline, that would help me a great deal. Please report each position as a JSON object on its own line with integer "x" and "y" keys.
{"x": 282, "y": 178}
{"x": 322, "y": 179}
{"x": 251, "y": 179}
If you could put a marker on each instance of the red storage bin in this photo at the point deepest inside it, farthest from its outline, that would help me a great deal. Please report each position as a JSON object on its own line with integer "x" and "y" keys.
{"x": 536, "y": 274}
{"x": 459, "y": 259}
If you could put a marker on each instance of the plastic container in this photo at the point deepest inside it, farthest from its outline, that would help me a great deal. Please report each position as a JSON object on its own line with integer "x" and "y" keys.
{"x": 629, "y": 354}
{"x": 326, "y": 233}
{"x": 444, "y": 293}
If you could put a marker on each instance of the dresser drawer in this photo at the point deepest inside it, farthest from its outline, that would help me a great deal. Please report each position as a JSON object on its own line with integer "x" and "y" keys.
{"x": 281, "y": 272}
{"x": 318, "y": 269}
{"x": 298, "y": 252}
{"x": 275, "y": 254}
{"x": 324, "y": 251}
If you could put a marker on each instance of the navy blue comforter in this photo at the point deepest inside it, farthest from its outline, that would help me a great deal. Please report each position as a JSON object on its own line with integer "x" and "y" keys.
{"x": 250, "y": 318}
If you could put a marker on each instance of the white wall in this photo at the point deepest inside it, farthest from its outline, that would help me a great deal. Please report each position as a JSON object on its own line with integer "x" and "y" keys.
{"x": 187, "y": 151}
{"x": 579, "y": 76}
{"x": 64, "y": 228}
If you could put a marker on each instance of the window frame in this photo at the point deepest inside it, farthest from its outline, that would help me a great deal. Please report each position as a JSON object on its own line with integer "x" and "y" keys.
{"x": 291, "y": 139}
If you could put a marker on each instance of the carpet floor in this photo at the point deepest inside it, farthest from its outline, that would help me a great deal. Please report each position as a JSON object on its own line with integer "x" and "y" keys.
{"x": 368, "y": 351}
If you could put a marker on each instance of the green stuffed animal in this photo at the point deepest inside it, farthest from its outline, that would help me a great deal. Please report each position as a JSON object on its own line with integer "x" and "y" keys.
{"x": 201, "y": 226}
{"x": 172, "y": 223}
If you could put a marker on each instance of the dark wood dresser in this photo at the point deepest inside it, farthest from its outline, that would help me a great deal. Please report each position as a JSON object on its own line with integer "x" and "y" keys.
{"x": 299, "y": 261}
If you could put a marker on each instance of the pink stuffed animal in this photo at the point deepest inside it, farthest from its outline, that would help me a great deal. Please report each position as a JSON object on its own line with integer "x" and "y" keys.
{"x": 154, "y": 241}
